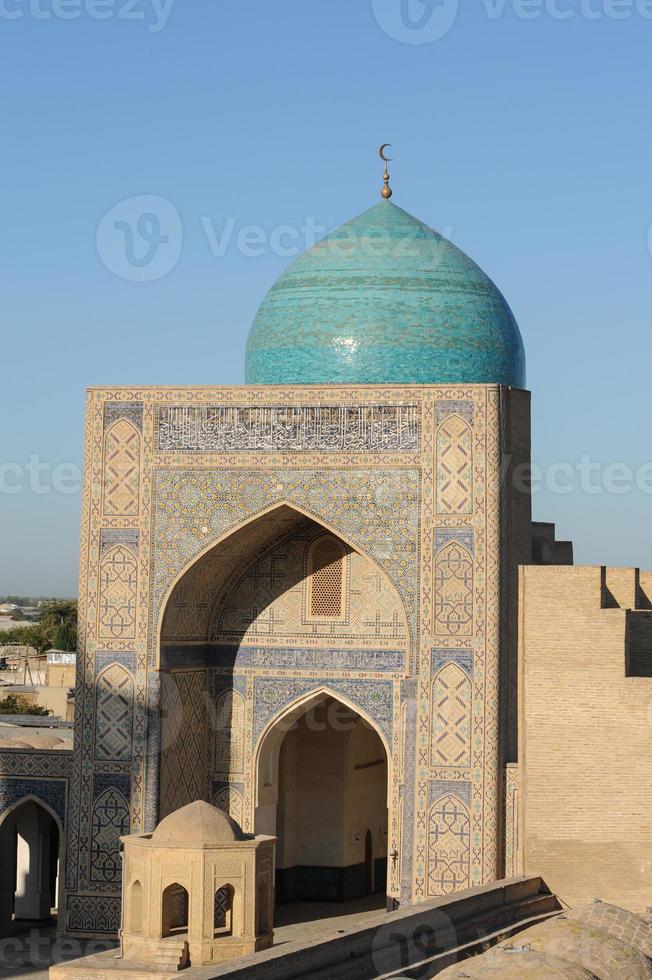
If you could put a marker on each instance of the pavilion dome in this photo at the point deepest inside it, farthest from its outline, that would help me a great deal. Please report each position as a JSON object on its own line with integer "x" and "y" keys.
{"x": 384, "y": 299}
{"x": 198, "y": 823}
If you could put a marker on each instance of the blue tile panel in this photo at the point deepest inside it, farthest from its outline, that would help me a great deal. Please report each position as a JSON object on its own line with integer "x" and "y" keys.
{"x": 375, "y": 698}
{"x": 193, "y": 656}
{"x": 463, "y": 659}
{"x": 385, "y": 299}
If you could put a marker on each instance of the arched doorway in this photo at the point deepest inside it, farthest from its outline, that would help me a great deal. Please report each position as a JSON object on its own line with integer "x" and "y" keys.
{"x": 30, "y": 857}
{"x": 174, "y": 910}
{"x": 322, "y": 783}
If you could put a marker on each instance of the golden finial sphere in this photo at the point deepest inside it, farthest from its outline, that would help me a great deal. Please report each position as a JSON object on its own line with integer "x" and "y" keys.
{"x": 386, "y": 192}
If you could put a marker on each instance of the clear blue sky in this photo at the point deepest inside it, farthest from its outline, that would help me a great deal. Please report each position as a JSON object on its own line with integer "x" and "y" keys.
{"x": 528, "y": 141}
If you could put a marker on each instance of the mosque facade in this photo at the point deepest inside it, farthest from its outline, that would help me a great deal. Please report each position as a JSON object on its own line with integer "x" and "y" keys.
{"x": 299, "y": 597}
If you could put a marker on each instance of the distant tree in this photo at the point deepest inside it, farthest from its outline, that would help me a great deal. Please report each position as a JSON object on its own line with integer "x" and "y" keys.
{"x": 23, "y": 636}
{"x": 58, "y": 626}
{"x": 15, "y": 704}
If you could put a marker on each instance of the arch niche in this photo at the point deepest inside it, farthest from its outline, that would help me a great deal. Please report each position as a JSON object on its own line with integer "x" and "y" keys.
{"x": 323, "y": 779}
{"x": 31, "y": 856}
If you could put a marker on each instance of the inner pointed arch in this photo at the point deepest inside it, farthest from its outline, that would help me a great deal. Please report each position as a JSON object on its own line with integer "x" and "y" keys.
{"x": 198, "y": 594}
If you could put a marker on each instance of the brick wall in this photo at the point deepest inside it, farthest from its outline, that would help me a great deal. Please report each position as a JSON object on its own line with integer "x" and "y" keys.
{"x": 585, "y": 735}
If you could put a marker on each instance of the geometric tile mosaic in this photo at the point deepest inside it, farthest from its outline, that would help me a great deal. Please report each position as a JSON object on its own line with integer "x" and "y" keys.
{"x": 454, "y": 474}
{"x": 452, "y": 712}
{"x": 114, "y": 714}
{"x": 121, "y": 470}
{"x": 449, "y": 840}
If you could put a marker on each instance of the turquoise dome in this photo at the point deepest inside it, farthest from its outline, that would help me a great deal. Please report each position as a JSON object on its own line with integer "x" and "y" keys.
{"x": 384, "y": 299}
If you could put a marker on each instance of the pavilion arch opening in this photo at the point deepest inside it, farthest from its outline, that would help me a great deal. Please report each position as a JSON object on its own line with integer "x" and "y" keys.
{"x": 31, "y": 858}
{"x": 322, "y": 790}
{"x": 223, "y": 913}
{"x": 174, "y": 910}
{"x": 282, "y": 597}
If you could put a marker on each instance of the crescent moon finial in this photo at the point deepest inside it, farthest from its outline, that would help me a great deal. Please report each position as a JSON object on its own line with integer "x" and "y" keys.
{"x": 386, "y": 191}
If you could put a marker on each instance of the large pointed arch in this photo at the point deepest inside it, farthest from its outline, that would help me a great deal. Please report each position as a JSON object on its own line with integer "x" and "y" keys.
{"x": 277, "y": 518}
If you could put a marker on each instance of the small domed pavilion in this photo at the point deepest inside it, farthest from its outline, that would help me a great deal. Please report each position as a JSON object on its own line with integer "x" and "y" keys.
{"x": 196, "y": 891}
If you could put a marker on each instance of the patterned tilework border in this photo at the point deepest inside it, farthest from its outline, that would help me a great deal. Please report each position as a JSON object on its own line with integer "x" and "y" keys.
{"x": 92, "y": 914}
{"x": 32, "y": 765}
{"x": 374, "y": 698}
{"x": 132, "y": 411}
{"x": 463, "y": 658}
{"x": 447, "y": 407}
{"x": 106, "y": 780}
{"x": 112, "y": 536}
{"x": 479, "y": 532}
{"x": 153, "y": 751}
{"x": 444, "y": 535}
{"x": 103, "y": 659}
{"x": 512, "y": 794}
{"x": 409, "y": 711}
{"x": 53, "y": 792}
{"x": 323, "y": 658}
{"x": 297, "y": 428}
{"x": 442, "y": 787}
